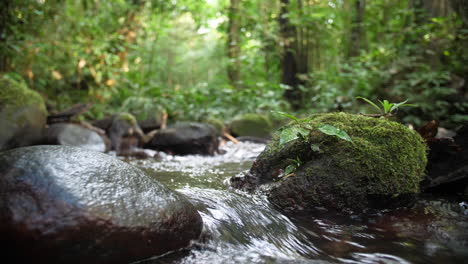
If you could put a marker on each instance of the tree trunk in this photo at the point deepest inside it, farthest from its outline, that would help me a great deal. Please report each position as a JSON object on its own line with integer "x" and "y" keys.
{"x": 289, "y": 66}
{"x": 4, "y": 20}
{"x": 357, "y": 33}
{"x": 233, "y": 44}
{"x": 461, "y": 8}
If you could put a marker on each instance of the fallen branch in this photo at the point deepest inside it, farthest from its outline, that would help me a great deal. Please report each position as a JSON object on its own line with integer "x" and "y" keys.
{"x": 228, "y": 136}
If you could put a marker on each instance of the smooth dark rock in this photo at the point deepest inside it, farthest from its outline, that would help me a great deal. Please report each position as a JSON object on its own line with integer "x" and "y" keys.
{"x": 73, "y": 135}
{"x": 185, "y": 139}
{"x": 447, "y": 168}
{"x": 63, "y": 204}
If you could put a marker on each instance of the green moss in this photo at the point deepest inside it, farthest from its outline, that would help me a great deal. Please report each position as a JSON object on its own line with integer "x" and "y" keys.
{"x": 391, "y": 157}
{"x": 14, "y": 94}
{"x": 218, "y": 124}
{"x": 128, "y": 118}
{"x": 385, "y": 159}
{"x": 255, "y": 125}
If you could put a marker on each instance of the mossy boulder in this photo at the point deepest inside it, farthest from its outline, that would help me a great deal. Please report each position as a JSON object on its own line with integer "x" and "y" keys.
{"x": 123, "y": 125}
{"x": 23, "y": 114}
{"x": 217, "y": 123}
{"x": 149, "y": 114}
{"x": 253, "y": 125}
{"x": 381, "y": 167}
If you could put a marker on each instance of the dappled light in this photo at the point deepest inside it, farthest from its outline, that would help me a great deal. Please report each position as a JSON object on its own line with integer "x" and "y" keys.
{"x": 234, "y": 131}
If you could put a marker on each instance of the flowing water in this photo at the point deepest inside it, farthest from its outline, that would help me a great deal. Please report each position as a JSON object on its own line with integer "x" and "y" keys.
{"x": 245, "y": 228}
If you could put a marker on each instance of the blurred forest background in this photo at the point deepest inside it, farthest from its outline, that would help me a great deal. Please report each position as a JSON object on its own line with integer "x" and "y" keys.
{"x": 220, "y": 58}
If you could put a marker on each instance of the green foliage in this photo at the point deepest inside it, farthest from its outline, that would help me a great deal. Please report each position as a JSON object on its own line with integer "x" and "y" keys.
{"x": 386, "y": 108}
{"x": 303, "y": 130}
{"x": 173, "y": 54}
{"x": 333, "y": 131}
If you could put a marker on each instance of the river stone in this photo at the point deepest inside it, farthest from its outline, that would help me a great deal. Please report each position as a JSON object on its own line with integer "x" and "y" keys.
{"x": 149, "y": 114}
{"x": 253, "y": 125}
{"x": 73, "y": 135}
{"x": 23, "y": 114}
{"x": 186, "y": 138}
{"x": 382, "y": 166}
{"x": 61, "y": 204}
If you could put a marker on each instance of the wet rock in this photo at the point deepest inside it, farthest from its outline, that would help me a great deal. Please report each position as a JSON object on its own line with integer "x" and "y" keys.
{"x": 186, "y": 138}
{"x": 73, "y": 135}
{"x": 123, "y": 125}
{"x": 63, "y": 204}
{"x": 447, "y": 170}
{"x": 381, "y": 167}
{"x": 23, "y": 114}
{"x": 439, "y": 222}
{"x": 254, "y": 125}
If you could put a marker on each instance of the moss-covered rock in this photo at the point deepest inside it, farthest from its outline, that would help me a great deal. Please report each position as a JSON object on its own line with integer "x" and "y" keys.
{"x": 123, "y": 125}
{"x": 22, "y": 113}
{"x": 217, "y": 123}
{"x": 382, "y": 166}
{"x": 149, "y": 114}
{"x": 254, "y": 125}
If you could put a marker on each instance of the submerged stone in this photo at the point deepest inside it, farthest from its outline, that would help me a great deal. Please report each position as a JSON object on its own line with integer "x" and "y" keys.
{"x": 63, "y": 204}
{"x": 382, "y": 165}
{"x": 23, "y": 114}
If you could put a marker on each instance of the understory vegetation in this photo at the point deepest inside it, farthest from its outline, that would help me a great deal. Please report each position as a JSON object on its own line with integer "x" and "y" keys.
{"x": 221, "y": 58}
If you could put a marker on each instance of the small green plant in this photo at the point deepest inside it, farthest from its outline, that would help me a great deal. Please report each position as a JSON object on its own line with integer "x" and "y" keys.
{"x": 291, "y": 168}
{"x": 387, "y": 108}
{"x": 303, "y": 130}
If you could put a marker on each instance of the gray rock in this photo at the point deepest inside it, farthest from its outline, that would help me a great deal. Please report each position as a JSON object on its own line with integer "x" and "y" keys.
{"x": 63, "y": 204}
{"x": 74, "y": 135}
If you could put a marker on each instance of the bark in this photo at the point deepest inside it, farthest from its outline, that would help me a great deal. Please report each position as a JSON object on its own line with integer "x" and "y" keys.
{"x": 461, "y": 8}
{"x": 289, "y": 65}
{"x": 233, "y": 44}
{"x": 4, "y": 19}
{"x": 357, "y": 32}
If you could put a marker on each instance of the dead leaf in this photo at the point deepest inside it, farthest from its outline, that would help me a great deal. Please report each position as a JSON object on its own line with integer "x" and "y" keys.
{"x": 57, "y": 75}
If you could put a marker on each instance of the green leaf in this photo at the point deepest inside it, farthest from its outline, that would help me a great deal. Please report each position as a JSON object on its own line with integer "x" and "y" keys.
{"x": 287, "y": 115}
{"x": 291, "y": 133}
{"x": 290, "y": 169}
{"x": 387, "y": 106}
{"x": 370, "y": 102}
{"x": 334, "y": 131}
{"x": 315, "y": 148}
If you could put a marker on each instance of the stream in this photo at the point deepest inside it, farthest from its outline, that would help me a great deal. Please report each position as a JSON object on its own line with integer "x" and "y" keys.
{"x": 245, "y": 228}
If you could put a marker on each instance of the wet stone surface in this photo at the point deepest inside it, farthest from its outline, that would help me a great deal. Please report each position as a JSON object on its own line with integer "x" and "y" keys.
{"x": 69, "y": 205}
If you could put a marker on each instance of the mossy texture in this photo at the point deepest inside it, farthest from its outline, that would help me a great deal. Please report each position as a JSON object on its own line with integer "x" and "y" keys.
{"x": 22, "y": 113}
{"x": 127, "y": 118}
{"x": 14, "y": 93}
{"x": 384, "y": 161}
{"x": 218, "y": 124}
{"x": 254, "y": 125}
